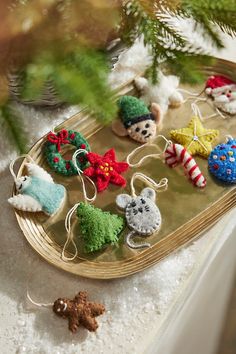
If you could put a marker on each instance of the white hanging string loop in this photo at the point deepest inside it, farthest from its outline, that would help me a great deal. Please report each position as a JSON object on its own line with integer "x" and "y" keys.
{"x": 74, "y": 160}
{"x": 69, "y": 235}
{"x": 196, "y": 109}
{"x": 37, "y": 303}
{"x": 163, "y": 184}
{"x": 190, "y": 93}
{"x": 11, "y": 166}
{"x": 74, "y": 208}
{"x": 157, "y": 155}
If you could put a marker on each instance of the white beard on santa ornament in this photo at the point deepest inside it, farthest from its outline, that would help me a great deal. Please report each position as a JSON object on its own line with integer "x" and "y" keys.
{"x": 225, "y": 98}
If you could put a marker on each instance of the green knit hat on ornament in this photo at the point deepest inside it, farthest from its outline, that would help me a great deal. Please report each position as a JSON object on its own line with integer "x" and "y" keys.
{"x": 133, "y": 110}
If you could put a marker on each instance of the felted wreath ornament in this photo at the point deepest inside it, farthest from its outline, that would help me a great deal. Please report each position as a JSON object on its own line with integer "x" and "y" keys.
{"x": 52, "y": 151}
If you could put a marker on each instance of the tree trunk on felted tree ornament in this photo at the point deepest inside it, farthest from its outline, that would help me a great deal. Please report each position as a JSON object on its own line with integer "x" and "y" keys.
{"x": 98, "y": 228}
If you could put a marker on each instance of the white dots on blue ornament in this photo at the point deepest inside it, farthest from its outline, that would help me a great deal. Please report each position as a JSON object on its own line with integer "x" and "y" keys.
{"x": 222, "y": 161}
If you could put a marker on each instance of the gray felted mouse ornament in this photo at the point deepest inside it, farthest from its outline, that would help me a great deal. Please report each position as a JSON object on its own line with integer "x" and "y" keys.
{"x": 142, "y": 215}
{"x": 136, "y": 120}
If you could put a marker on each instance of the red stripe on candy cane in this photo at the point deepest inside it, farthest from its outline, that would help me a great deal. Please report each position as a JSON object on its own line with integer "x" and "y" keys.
{"x": 182, "y": 155}
{"x": 187, "y": 161}
{"x": 192, "y": 169}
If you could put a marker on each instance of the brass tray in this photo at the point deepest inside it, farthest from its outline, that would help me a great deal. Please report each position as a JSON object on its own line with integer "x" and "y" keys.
{"x": 186, "y": 210}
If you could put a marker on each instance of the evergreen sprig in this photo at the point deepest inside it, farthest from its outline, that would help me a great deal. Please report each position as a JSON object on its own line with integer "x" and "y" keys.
{"x": 12, "y": 126}
{"x": 153, "y": 21}
{"x": 80, "y": 77}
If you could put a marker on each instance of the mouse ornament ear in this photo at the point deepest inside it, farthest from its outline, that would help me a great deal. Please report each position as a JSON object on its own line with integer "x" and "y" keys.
{"x": 157, "y": 113}
{"x": 118, "y": 128}
{"x": 149, "y": 193}
{"x": 122, "y": 200}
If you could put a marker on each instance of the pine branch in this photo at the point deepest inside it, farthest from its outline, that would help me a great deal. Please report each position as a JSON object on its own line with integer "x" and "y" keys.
{"x": 13, "y": 128}
{"x": 80, "y": 77}
{"x": 152, "y": 21}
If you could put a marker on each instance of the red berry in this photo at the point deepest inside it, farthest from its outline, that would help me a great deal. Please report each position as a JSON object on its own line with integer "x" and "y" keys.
{"x": 56, "y": 159}
{"x": 67, "y": 165}
{"x": 81, "y": 159}
{"x": 72, "y": 136}
{"x": 83, "y": 146}
{"x": 216, "y": 166}
{"x": 233, "y": 146}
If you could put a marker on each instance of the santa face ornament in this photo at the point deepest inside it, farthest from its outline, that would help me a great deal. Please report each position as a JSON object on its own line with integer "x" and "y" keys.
{"x": 223, "y": 92}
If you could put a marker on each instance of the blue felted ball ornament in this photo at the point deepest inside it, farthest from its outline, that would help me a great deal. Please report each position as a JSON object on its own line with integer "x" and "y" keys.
{"x": 222, "y": 161}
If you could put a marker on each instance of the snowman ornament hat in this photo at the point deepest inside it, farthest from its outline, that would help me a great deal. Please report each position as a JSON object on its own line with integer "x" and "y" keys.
{"x": 136, "y": 120}
{"x": 223, "y": 92}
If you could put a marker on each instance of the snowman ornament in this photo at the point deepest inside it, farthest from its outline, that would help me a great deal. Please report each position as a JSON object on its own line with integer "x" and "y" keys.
{"x": 37, "y": 191}
{"x": 223, "y": 92}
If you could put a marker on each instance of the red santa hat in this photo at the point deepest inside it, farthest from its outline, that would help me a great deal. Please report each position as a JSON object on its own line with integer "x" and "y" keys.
{"x": 217, "y": 81}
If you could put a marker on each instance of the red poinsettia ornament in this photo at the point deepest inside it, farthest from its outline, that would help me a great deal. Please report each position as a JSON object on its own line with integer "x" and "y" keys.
{"x": 105, "y": 169}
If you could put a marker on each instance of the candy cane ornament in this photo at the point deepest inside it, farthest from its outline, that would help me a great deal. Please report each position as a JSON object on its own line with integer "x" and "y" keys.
{"x": 176, "y": 154}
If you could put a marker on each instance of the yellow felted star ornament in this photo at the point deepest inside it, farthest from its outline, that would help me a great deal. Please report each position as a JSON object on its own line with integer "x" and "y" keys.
{"x": 195, "y": 138}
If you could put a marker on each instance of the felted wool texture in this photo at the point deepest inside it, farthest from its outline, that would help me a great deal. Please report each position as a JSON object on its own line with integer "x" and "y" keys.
{"x": 58, "y": 163}
{"x": 176, "y": 154}
{"x": 143, "y": 216}
{"x": 164, "y": 92}
{"x": 79, "y": 311}
{"x": 97, "y": 227}
{"x": 131, "y": 107}
{"x": 104, "y": 169}
{"x": 37, "y": 191}
{"x": 138, "y": 122}
{"x": 141, "y": 212}
{"x": 222, "y": 163}
{"x": 195, "y": 138}
{"x": 223, "y": 91}
{"x": 49, "y": 195}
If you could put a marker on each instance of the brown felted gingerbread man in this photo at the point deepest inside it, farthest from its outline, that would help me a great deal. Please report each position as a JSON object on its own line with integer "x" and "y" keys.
{"x": 79, "y": 311}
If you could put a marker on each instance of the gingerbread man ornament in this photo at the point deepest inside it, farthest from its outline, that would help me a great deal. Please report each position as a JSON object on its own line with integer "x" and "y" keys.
{"x": 79, "y": 311}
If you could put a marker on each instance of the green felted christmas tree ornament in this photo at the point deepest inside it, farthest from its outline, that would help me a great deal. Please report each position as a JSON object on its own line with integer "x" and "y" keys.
{"x": 98, "y": 228}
